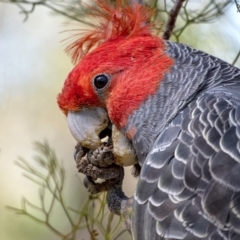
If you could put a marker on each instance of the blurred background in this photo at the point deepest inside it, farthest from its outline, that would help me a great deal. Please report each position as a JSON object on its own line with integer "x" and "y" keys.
{"x": 33, "y": 67}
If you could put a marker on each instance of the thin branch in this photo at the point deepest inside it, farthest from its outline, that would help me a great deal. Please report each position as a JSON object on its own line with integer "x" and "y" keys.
{"x": 236, "y": 58}
{"x": 88, "y": 228}
{"x": 237, "y": 5}
{"x": 172, "y": 19}
{"x": 109, "y": 224}
{"x": 67, "y": 9}
{"x": 136, "y": 2}
{"x": 122, "y": 232}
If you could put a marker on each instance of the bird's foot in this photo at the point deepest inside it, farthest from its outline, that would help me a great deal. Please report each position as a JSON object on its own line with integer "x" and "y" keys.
{"x": 98, "y": 164}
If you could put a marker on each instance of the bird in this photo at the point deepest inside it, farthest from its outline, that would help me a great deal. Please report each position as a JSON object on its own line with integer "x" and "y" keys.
{"x": 177, "y": 112}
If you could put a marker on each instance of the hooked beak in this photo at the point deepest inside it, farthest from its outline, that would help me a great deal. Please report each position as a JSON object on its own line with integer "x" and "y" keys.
{"x": 86, "y": 127}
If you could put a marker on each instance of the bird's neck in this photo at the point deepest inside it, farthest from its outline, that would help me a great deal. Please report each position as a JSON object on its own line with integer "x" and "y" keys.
{"x": 193, "y": 73}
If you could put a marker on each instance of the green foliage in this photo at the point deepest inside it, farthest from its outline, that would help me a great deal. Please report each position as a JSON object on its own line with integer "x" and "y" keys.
{"x": 49, "y": 174}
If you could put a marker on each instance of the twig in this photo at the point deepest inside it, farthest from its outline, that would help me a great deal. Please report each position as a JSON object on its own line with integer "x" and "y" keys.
{"x": 122, "y": 232}
{"x": 50, "y": 175}
{"x": 65, "y": 9}
{"x": 172, "y": 19}
{"x": 237, "y": 5}
{"x": 92, "y": 232}
{"x": 236, "y": 58}
{"x": 136, "y": 2}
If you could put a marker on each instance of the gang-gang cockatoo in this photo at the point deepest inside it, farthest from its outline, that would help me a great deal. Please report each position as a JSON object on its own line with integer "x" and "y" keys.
{"x": 171, "y": 111}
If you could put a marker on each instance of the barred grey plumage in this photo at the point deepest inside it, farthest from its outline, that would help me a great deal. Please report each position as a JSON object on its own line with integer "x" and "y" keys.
{"x": 189, "y": 186}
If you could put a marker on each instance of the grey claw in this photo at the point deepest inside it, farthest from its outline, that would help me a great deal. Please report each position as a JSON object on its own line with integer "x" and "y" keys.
{"x": 85, "y": 182}
{"x": 79, "y": 152}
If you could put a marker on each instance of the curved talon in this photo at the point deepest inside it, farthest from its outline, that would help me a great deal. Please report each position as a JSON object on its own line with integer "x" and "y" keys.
{"x": 79, "y": 152}
{"x": 85, "y": 182}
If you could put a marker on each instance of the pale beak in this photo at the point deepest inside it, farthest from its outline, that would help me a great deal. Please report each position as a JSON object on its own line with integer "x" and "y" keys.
{"x": 122, "y": 150}
{"x": 86, "y": 126}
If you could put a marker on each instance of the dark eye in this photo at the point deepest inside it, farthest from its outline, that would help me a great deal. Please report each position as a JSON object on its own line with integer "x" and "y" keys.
{"x": 100, "y": 81}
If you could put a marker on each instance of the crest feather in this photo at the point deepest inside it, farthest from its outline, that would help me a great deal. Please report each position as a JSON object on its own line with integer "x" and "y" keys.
{"x": 114, "y": 21}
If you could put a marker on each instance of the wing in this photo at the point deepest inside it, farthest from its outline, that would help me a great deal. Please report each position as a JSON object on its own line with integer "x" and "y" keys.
{"x": 189, "y": 186}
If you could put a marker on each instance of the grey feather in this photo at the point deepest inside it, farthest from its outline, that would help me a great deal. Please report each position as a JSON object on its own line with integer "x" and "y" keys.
{"x": 189, "y": 186}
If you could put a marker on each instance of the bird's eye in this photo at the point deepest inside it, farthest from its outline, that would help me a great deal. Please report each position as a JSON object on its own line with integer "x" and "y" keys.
{"x": 100, "y": 81}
